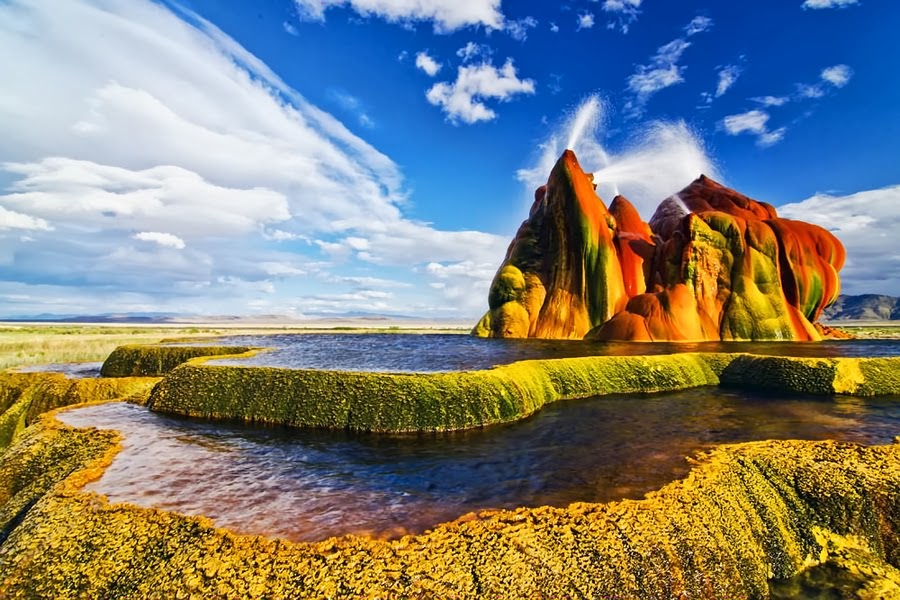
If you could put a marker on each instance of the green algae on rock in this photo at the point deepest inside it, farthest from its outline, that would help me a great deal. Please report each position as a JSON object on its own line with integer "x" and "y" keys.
{"x": 156, "y": 360}
{"x": 403, "y": 402}
{"x": 406, "y": 402}
{"x": 745, "y": 515}
{"x": 25, "y": 396}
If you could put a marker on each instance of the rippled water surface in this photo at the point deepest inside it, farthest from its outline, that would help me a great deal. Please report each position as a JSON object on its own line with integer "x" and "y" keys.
{"x": 437, "y": 352}
{"x": 309, "y": 485}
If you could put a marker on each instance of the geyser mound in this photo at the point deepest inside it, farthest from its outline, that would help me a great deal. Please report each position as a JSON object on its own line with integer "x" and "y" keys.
{"x": 712, "y": 264}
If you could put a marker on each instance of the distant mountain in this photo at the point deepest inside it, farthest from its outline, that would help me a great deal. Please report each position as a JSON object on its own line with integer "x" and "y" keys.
{"x": 866, "y": 307}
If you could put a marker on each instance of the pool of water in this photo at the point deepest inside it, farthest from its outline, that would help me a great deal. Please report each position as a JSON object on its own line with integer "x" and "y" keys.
{"x": 439, "y": 352}
{"x": 309, "y": 485}
{"x": 72, "y": 370}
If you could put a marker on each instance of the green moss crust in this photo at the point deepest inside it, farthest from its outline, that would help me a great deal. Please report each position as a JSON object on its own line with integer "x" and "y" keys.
{"x": 854, "y": 376}
{"x": 745, "y": 514}
{"x": 25, "y": 396}
{"x": 155, "y": 361}
{"x": 389, "y": 402}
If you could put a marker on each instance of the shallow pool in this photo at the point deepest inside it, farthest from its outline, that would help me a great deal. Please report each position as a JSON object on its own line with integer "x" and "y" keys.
{"x": 309, "y": 485}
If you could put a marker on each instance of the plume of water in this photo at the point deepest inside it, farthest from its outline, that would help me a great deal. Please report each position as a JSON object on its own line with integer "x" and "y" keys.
{"x": 658, "y": 160}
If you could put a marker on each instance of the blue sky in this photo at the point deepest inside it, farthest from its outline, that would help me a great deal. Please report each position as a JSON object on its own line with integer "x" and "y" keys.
{"x": 306, "y": 157}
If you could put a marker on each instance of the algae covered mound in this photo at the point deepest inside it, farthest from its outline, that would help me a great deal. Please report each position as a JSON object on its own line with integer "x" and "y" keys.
{"x": 711, "y": 264}
{"x": 392, "y": 402}
{"x": 157, "y": 360}
{"x": 25, "y": 396}
{"x": 747, "y": 516}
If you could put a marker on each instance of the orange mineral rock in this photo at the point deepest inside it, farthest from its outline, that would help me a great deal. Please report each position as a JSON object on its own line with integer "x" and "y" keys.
{"x": 712, "y": 264}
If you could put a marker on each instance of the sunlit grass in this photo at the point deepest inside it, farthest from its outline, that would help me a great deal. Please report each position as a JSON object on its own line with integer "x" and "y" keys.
{"x": 35, "y": 345}
{"x": 44, "y": 344}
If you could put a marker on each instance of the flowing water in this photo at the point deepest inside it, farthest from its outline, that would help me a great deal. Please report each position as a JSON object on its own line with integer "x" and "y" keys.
{"x": 309, "y": 485}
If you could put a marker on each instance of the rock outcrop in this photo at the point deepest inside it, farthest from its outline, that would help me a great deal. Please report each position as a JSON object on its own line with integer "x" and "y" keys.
{"x": 712, "y": 264}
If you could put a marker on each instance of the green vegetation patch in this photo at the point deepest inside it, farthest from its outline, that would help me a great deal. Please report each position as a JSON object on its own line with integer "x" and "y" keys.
{"x": 25, "y": 396}
{"x": 745, "y": 514}
{"x": 401, "y": 402}
{"x": 155, "y": 361}
{"x": 824, "y": 376}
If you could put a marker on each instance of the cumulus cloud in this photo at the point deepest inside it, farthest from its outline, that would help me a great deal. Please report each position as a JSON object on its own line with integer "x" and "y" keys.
{"x": 754, "y": 122}
{"x": 446, "y": 15}
{"x": 866, "y": 223}
{"x": 838, "y": 75}
{"x": 815, "y": 4}
{"x": 625, "y": 11}
{"x": 585, "y": 21}
{"x": 464, "y": 99}
{"x": 163, "y": 239}
{"x": 663, "y": 70}
{"x": 157, "y": 124}
{"x": 427, "y": 64}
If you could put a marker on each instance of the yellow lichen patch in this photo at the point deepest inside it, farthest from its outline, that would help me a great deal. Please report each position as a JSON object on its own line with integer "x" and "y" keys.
{"x": 745, "y": 514}
{"x": 25, "y": 396}
{"x": 155, "y": 360}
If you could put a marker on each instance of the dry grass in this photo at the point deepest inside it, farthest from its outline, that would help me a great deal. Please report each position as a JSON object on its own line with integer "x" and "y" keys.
{"x": 35, "y": 345}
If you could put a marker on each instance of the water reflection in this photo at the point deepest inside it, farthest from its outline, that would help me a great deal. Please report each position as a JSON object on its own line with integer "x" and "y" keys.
{"x": 308, "y": 485}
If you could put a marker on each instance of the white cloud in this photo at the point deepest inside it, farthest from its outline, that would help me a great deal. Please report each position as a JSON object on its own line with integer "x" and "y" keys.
{"x": 289, "y": 29}
{"x": 698, "y": 24}
{"x": 626, "y": 12}
{"x": 662, "y": 72}
{"x": 585, "y": 21}
{"x": 554, "y": 27}
{"x": 829, "y": 3}
{"x": 10, "y": 219}
{"x": 770, "y": 138}
{"x": 866, "y": 223}
{"x": 838, "y": 75}
{"x": 471, "y": 51}
{"x": 463, "y": 100}
{"x": 754, "y": 122}
{"x": 158, "y": 123}
{"x": 447, "y": 15}
{"x": 771, "y": 100}
{"x": 518, "y": 29}
{"x": 163, "y": 239}
{"x": 427, "y": 64}
{"x": 727, "y": 78}
{"x": 810, "y": 91}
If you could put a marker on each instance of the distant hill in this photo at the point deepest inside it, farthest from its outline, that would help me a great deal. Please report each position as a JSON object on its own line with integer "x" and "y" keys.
{"x": 866, "y": 307}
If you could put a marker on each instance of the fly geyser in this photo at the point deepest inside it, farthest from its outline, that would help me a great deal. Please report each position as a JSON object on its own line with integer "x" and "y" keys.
{"x": 712, "y": 264}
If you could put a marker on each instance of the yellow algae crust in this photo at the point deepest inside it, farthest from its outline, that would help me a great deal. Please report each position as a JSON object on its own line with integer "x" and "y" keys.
{"x": 25, "y": 396}
{"x": 405, "y": 402}
{"x": 148, "y": 360}
{"x": 746, "y": 514}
